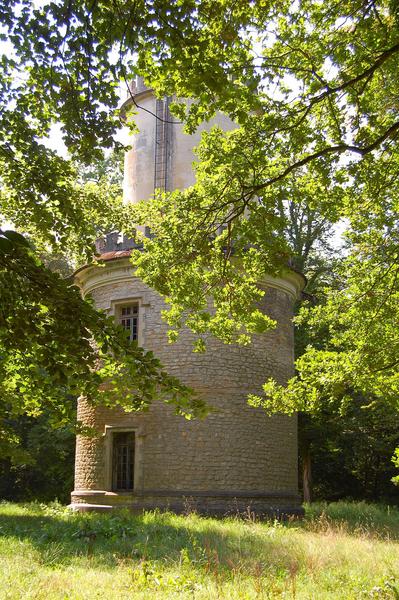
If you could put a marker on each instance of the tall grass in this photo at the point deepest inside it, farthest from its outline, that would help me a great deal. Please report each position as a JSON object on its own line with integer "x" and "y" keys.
{"x": 339, "y": 550}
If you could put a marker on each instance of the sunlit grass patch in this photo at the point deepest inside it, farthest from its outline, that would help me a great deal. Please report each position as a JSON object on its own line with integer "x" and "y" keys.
{"x": 339, "y": 550}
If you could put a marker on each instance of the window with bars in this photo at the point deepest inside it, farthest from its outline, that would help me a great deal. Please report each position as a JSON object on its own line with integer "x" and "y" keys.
{"x": 123, "y": 445}
{"x": 129, "y": 319}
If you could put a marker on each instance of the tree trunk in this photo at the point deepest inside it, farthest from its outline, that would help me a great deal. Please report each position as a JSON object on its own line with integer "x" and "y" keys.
{"x": 307, "y": 475}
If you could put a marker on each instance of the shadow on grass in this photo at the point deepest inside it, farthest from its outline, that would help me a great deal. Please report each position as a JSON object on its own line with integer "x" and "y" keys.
{"x": 107, "y": 539}
{"x": 60, "y": 537}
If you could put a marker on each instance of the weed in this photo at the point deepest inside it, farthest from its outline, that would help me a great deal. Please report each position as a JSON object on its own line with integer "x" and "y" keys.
{"x": 340, "y": 551}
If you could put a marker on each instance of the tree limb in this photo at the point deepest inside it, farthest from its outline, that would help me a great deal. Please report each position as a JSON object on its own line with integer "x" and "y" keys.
{"x": 338, "y": 149}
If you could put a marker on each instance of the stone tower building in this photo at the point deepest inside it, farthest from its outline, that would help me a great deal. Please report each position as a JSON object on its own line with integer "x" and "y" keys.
{"x": 235, "y": 460}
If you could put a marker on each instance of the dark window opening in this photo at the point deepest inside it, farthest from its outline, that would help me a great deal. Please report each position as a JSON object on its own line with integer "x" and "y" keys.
{"x": 123, "y": 461}
{"x": 129, "y": 319}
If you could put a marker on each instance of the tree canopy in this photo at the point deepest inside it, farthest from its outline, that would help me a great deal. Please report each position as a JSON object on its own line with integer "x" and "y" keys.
{"x": 55, "y": 347}
{"x": 312, "y": 87}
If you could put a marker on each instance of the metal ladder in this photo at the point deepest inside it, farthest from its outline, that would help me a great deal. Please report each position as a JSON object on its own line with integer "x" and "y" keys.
{"x": 162, "y": 141}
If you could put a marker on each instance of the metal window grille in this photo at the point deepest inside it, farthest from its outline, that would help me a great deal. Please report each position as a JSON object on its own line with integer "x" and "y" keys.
{"x": 123, "y": 461}
{"x": 129, "y": 319}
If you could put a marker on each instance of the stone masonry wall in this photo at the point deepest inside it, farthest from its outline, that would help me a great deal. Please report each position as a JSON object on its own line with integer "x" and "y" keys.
{"x": 236, "y": 449}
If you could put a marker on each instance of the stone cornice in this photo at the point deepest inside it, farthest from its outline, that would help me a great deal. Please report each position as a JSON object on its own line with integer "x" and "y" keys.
{"x": 291, "y": 282}
{"x": 120, "y": 270}
{"x": 91, "y": 277}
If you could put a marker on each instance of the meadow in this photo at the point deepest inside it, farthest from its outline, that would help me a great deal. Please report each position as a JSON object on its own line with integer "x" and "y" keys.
{"x": 339, "y": 550}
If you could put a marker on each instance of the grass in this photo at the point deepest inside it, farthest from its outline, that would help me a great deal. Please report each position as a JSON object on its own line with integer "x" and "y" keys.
{"x": 340, "y": 550}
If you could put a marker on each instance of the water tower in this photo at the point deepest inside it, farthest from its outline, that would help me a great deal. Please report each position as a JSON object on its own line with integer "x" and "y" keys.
{"x": 235, "y": 460}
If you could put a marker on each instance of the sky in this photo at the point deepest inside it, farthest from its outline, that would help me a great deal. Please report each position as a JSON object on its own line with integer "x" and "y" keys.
{"x": 55, "y": 140}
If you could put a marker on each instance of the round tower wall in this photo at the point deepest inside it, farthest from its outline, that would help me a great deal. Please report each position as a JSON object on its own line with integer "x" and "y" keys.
{"x": 139, "y": 179}
{"x": 236, "y": 456}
